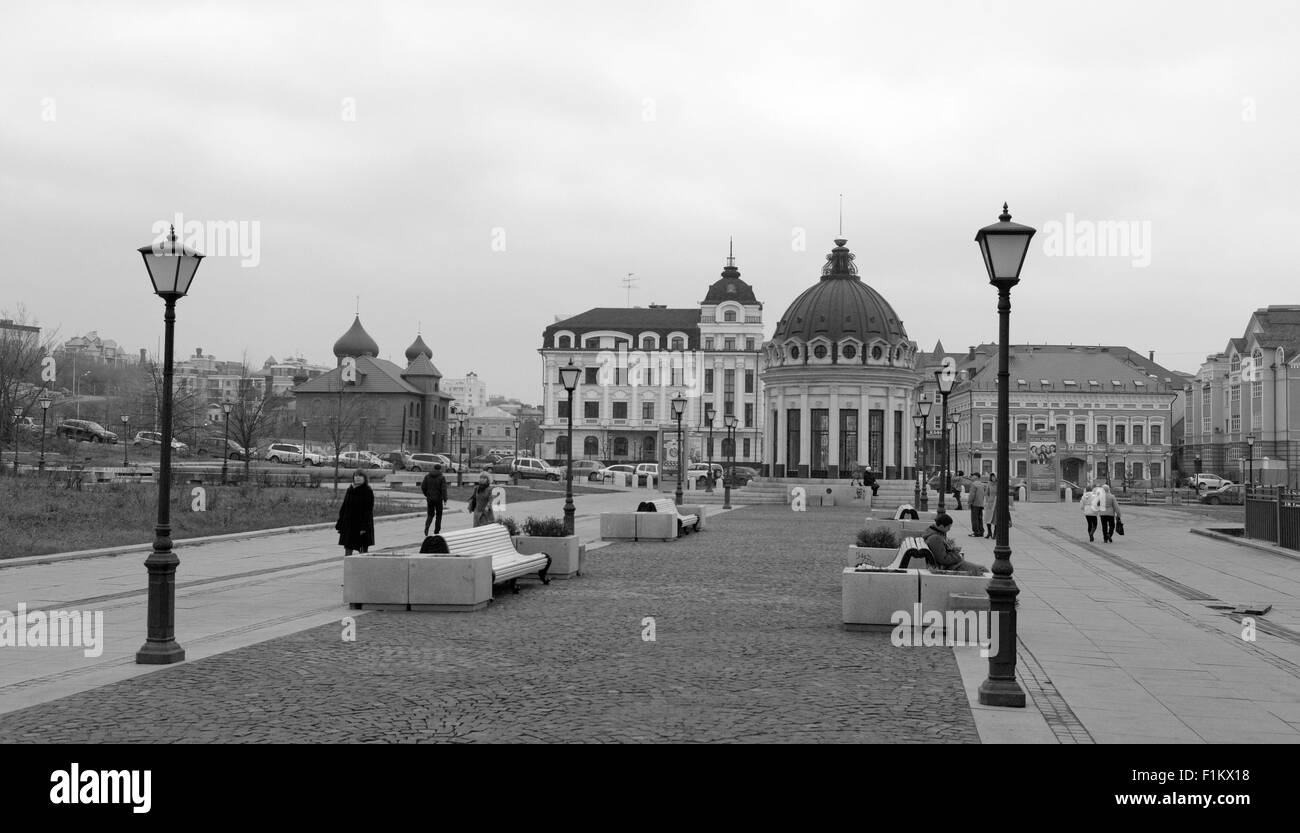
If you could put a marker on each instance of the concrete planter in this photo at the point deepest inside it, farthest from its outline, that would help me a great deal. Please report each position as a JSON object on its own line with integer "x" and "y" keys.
{"x": 566, "y": 553}
{"x": 869, "y": 600}
{"x": 442, "y": 582}
{"x": 878, "y": 556}
{"x": 376, "y": 582}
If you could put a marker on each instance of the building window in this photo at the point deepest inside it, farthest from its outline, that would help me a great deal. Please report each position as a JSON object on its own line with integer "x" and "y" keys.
{"x": 1061, "y": 439}
{"x": 792, "y": 417}
{"x": 1157, "y": 471}
{"x": 986, "y": 432}
{"x": 1119, "y": 435}
{"x": 875, "y": 353}
{"x": 565, "y": 342}
{"x": 1155, "y": 435}
{"x": 1234, "y": 409}
{"x": 1137, "y": 435}
{"x": 647, "y": 343}
{"x": 647, "y": 410}
{"x": 592, "y": 375}
{"x": 591, "y": 410}
{"x": 849, "y": 351}
{"x": 592, "y": 344}
{"x": 749, "y": 414}
{"x": 820, "y": 351}
{"x": 1022, "y": 431}
{"x": 848, "y": 439}
{"x": 728, "y": 392}
{"x": 620, "y": 410}
{"x": 1022, "y": 468}
{"x": 729, "y": 344}
{"x": 620, "y": 446}
{"x": 749, "y": 381}
{"x": 708, "y": 343}
{"x": 1206, "y": 427}
{"x": 590, "y": 447}
{"x": 794, "y": 352}
{"x": 562, "y": 445}
{"x": 729, "y": 316}
{"x": 1080, "y": 433}
{"x": 708, "y": 381}
{"x": 745, "y": 446}
{"x": 1102, "y": 435}
{"x": 1135, "y": 471}
{"x": 749, "y": 345}
{"x": 678, "y": 343}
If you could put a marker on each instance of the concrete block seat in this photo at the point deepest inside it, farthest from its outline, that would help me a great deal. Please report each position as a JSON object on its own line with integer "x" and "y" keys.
{"x": 655, "y": 520}
{"x": 871, "y": 595}
{"x": 508, "y": 564}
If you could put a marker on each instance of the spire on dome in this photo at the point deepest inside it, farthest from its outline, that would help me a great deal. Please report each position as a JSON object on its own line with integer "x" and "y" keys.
{"x": 356, "y": 342}
{"x": 839, "y": 263}
{"x": 730, "y": 270}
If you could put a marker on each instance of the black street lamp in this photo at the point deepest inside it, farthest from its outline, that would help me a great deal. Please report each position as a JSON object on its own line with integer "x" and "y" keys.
{"x": 1250, "y": 459}
{"x": 304, "y": 439}
{"x": 709, "y": 413}
{"x": 923, "y": 412}
{"x": 45, "y": 408}
{"x": 730, "y": 422}
{"x": 916, "y": 453}
{"x": 126, "y": 432}
{"x": 946, "y": 377}
{"x": 954, "y": 421}
{"x": 171, "y": 269}
{"x": 1003, "y": 246}
{"x": 679, "y": 408}
{"x": 460, "y": 461}
{"x": 225, "y": 445}
{"x": 18, "y": 412}
{"x": 569, "y": 379}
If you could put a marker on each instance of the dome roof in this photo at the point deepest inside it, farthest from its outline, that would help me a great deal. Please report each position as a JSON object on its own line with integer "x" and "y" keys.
{"x": 731, "y": 287}
{"x": 417, "y": 347}
{"x": 356, "y": 342}
{"x": 840, "y": 305}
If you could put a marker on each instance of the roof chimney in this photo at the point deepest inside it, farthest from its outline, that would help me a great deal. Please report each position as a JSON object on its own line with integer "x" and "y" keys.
{"x": 970, "y": 355}
{"x": 1151, "y": 355}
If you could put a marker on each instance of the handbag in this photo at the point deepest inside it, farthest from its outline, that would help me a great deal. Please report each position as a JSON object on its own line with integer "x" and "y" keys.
{"x": 1119, "y": 525}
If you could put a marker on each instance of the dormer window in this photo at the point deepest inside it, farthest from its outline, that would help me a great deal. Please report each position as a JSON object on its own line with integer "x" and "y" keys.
{"x": 729, "y": 316}
{"x": 1070, "y": 383}
{"x": 820, "y": 351}
{"x": 1045, "y": 383}
{"x": 1139, "y": 383}
{"x": 565, "y": 343}
{"x": 1021, "y": 382}
{"x": 1117, "y": 383}
{"x": 1093, "y": 383}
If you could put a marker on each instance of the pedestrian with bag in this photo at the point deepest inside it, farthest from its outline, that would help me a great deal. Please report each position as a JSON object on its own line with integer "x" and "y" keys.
{"x": 1108, "y": 512}
{"x": 434, "y": 487}
{"x": 1088, "y": 505}
{"x": 978, "y": 491}
{"x": 480, "y": 501}
{"x": 356, "y": 523}
{"x": 990, "y": 513}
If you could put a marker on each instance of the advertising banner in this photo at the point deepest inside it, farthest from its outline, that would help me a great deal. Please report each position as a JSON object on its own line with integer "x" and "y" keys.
{"x": 1044, "y": 467}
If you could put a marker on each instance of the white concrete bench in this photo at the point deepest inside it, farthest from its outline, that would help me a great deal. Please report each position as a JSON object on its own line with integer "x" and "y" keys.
{"x": 508, "y": 564}
{"x": 870, "y": 597}
{"x": 654, "y": 520}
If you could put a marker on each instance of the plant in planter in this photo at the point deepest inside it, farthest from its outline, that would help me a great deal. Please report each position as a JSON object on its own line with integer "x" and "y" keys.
{"x": 547, "y": 535}
{"x": 511, "y": 526}
{"x": 875, "y": 545}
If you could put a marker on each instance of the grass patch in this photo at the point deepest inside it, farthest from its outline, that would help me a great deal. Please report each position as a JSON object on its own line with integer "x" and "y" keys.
{"x": 40, "y": 516}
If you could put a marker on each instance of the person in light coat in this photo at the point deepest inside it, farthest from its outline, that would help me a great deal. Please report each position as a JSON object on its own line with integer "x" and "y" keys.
{"x": 1088, "y": 505}
{"x": 1108, "y": 513}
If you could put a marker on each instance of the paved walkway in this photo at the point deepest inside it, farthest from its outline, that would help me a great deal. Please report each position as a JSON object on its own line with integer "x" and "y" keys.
{"x": 1123, "y": 642}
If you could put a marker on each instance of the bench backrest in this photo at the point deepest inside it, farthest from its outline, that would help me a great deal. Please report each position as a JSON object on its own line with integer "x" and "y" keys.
{"x": 911, "y": 549}
{"x": 663, "y": 505}
{"x": 489, "y": 539}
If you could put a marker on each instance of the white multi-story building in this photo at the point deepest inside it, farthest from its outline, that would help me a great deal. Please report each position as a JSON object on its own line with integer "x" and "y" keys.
{"x": 636, "y": 360}
{"x": 470, "y": 392}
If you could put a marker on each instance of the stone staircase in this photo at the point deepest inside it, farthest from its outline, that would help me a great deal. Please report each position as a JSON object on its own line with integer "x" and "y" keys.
{"x": 776, "y": 491}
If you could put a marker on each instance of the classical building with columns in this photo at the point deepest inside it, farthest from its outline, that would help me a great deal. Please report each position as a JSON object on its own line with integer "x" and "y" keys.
{"x": 637, "y": 360}
{"x": 839, "y": 376}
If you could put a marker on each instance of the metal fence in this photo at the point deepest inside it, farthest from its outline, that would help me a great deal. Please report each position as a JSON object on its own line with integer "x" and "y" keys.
{"x": 1273, "y": 515}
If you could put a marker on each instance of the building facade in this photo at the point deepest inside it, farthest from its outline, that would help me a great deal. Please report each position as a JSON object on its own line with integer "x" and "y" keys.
{"x": 1251, "y": 389}
{"x": 635, "y": 361}
{"x": 469, "y": 392}
{"x": 383, "y": 407}
{"x": 839, "y": 378}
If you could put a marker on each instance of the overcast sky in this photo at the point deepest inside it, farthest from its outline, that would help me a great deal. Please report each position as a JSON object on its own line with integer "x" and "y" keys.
{"x": 478, "y": 168}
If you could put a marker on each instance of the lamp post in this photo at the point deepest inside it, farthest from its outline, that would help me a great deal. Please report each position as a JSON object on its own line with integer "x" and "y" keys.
{"x": 709, "y": 413}
{"x": 916, "y": 455}
{"x": 126, "y": 432}
{"x": 517, "y": 424}
{"x": 1250, "y": 459}
{"x": 923, "y": 415}
{"x": 171, "y": 269}
{"x": 569, "y": 379}
{"x": 730, "y": 422}
{"x": 946, "y": 377}
{"x": 17, "y": 411}
{"x": 460, "y": 463}
{"x": 304, "y": 440}
{"x": 45, "y": 409}
{"x": 225, "y": 444}
{"x": 954, "y": 421}
{"x": 1003, "y": 246}
{"x": 679, "y": 408}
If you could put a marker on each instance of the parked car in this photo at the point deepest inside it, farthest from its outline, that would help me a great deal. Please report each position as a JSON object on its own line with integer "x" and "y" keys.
{"x": 363, "y": 460}
{"x": 27, "y": 425}
{"x": 291, "y": 453}
{"x": 85, "y": 430}
{"x": 648, "y": 468}
{"x": 400, "y": 460}
{"x": 1206, "y": 481}
{"x": 148, "y": 438}
{"x": 584, "y": 469}
{"x": 531, "y": 468}
{"x": 1231, "y": 493}
{"x": 741, "y": 475}
{"x": 423, "y": 461}
{"x": 608, "y": 472}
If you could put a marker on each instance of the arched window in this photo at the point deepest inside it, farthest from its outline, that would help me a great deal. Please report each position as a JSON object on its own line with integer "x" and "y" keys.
{"x": 590, "y": 447}
{"x": 794, "y": 352}
{"x": 648, "y": 448}
{"x": 876, "y": 353}
{"x": 620, "y": 446}
{"x": 729, "y": 316}
{"x": 565, "y": 342}
{"x": 647, "y": 343}
{"x": 678, "y": 343}
{"x": 562, "y": 446}
{"x": 728, "y": 446}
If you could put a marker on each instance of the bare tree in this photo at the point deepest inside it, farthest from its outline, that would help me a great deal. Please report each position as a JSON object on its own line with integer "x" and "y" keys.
{"x": 254, "y": 416}
{"x": 21, "y": 353}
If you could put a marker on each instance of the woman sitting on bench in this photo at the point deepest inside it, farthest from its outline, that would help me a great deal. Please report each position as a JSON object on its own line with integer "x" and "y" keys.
{"x": 945, "y": 552}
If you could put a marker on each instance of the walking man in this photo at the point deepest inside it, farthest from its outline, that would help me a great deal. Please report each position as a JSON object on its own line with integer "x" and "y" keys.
{"x": 978, "y": 490}
{"x": 434, "y": 486}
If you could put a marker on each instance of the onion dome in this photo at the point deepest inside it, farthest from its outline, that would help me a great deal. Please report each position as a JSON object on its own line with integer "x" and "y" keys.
{"x": 356, "y": 342}
{"x": 417, "y": 348}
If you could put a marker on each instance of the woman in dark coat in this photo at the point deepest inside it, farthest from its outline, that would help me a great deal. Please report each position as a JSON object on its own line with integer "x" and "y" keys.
{"x": 356, "y": 524}
{"x": 480, "y": 501}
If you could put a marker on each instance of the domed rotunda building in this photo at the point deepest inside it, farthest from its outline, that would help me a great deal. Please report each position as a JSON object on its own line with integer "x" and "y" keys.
{"x": 839, "y": 375}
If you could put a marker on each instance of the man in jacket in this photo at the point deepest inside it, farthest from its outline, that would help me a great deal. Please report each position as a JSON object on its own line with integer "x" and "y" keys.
{"x": 978, "y": 491}
{"x": 434, "y": 486}
{"x": 944, "y": 551}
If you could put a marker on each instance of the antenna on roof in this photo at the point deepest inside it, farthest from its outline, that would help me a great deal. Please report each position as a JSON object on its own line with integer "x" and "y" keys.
{"x": 841, "y": 215}
{"x": 628, "y": 283}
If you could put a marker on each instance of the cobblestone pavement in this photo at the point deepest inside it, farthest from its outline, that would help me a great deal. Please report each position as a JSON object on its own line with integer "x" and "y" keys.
{"x": 747, "y": 647}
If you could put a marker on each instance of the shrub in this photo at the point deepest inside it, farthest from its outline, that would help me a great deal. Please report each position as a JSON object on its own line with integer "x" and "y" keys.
{"x": 878, "y": 537}
{"x": 510, "y": 525}
{"x": 545, "y": 527}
